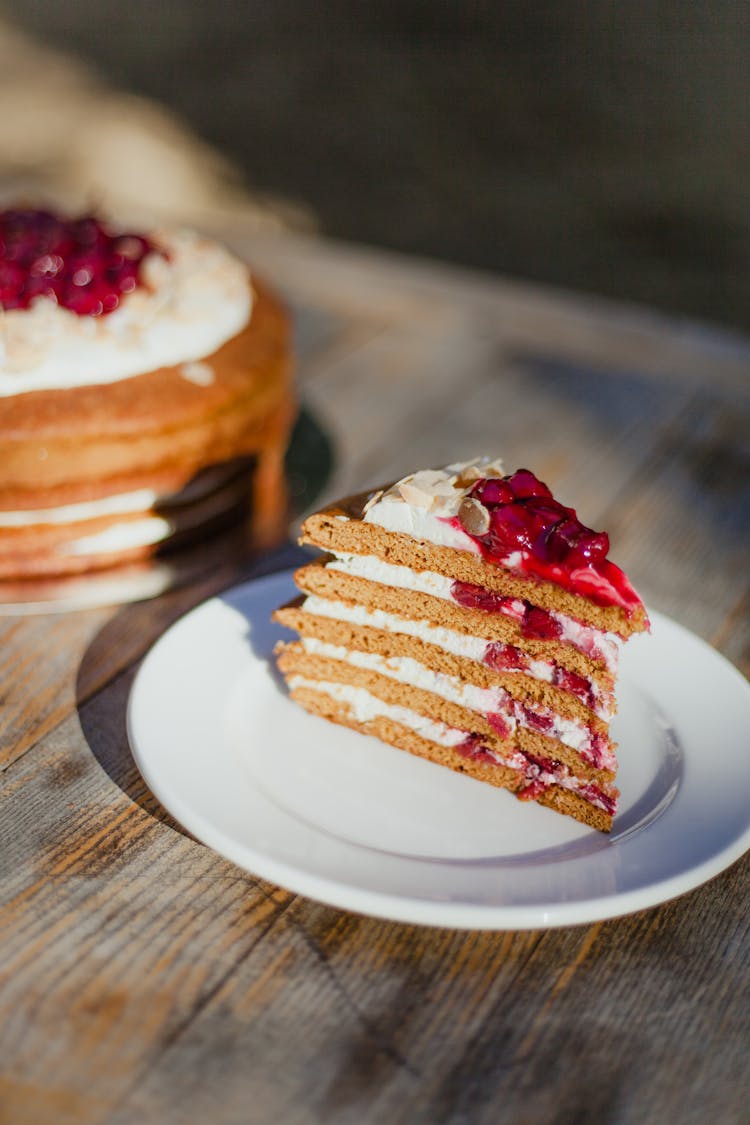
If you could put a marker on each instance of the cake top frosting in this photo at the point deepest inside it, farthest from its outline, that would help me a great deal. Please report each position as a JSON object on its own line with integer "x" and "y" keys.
{"x": 85, "y": 305}
{"x": 512, "y": 520}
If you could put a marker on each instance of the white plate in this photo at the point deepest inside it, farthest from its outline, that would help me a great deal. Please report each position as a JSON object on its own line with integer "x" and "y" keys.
{"x": 344, "y": 819}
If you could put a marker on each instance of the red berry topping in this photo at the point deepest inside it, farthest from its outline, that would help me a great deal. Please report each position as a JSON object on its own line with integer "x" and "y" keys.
{"x": 525, "y": 485}
{"x": 525, "y": 519}
{"x": 492, "y": 490}
{"x": 77, "y": 263}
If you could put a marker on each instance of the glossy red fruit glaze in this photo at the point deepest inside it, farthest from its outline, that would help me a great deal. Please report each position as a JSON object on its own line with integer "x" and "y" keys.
{"x": 492, "y": 490}
{"x": 524, "y": 484}
{"x": 77, "y": 263}
{"x": 546, "y": 540}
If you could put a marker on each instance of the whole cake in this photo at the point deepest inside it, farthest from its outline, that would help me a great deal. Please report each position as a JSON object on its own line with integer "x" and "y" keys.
{"x": 470, "y": 618}
{"x": 145, "y": 394}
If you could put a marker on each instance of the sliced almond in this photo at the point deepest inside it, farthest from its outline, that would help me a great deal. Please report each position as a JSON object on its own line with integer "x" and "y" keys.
{"x": 474, "y": 517}
{"x": 371, "y": 500}
{"x": 416, "y": 496}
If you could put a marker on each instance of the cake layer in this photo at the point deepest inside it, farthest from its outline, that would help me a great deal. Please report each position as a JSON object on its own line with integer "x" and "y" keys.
{"x": 544, "y": 624}
{"x": 489, "y": 627}
{"x": 467, "y": 616}
{"x": 452, "y": 654}
{"x": 341, "y": 529}
{"x": 492, "y": 714}
{"x": 155, "y": 422}
{"x": 133, "y": 454}
{"x": 406, "y": 730}
{"x": 124, "y": 527}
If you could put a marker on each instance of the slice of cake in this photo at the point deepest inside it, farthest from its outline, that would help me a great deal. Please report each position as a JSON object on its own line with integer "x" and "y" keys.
{"x": 470, "y": 618}
{"x": 145, "y": 394}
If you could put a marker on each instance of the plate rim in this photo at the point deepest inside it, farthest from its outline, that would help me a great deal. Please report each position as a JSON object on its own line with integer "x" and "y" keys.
{"x": 347, "y": 895}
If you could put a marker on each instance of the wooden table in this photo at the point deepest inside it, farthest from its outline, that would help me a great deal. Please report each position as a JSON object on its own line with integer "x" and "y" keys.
{"x": 146, "y": 979}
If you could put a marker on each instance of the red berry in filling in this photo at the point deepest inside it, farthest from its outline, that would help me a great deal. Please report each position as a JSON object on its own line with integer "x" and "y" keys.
{"x": 540, "y": 625}
{"x": 499, "y": 724}
{"x": 542, "y": 723}
{"x": 476, "y": 597}
{"x": 505, "y": 658}
{"x": 473, "y": 749}
{"x": 532, "y": 791}
{"x": 574, "y": 683}
{"x": 544, "y": 765}
{"x": 76, "y": 263}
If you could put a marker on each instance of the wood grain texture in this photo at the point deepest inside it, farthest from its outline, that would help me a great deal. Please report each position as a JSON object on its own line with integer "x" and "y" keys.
{"x": 143, "y": 978}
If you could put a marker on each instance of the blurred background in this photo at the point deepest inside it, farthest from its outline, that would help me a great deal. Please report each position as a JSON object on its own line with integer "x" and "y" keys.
{"x": 602, "y": 146}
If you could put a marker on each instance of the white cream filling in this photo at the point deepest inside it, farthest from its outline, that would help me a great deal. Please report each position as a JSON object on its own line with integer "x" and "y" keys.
{"x": 461, "y": 644}
{"x": 449, "y": 640}
{"x": 406, "y": 670}
{"x": 409, "y": 671}
{"x": 190, "y": 304}
{"x": 593, "y": 642}
{"x": 364, "y": 707}
{"x": 121, "y": 537}
{"x": 156, "y": 527}
{"x": 393, "y": 515}
{"x": 137, "y": 501}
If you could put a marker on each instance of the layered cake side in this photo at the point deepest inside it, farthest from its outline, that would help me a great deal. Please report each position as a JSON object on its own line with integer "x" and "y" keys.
{"x": 468, "y": 617}
{"x": 145, "y": 394}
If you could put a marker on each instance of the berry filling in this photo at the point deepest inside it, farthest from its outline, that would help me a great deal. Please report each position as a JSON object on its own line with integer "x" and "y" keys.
{"x": 506, "y": 658}
{"x": 538, "y": 624}
{"x": 539, "y": 774}
{"x": 533, "y": 533}
{"x": 77, "y": 263}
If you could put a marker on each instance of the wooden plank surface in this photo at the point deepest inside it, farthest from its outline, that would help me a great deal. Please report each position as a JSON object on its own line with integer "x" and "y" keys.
{"x": 144, "y": 978}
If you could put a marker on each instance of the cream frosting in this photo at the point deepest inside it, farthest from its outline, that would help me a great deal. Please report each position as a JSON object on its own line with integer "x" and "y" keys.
{"x": 423, "y": 504}
{"x": 192, "y": 301}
